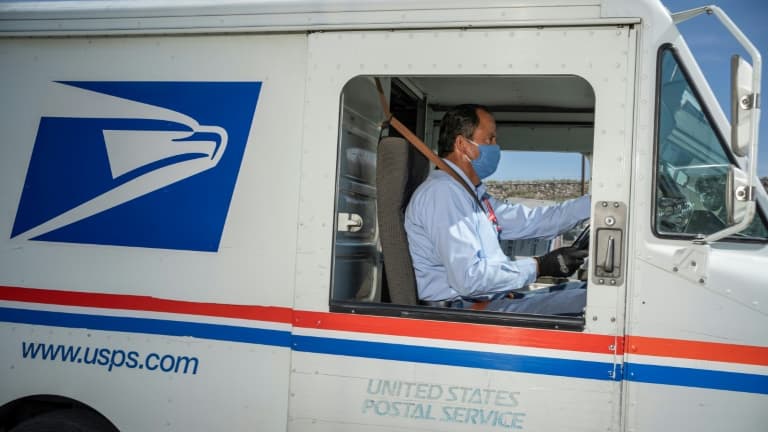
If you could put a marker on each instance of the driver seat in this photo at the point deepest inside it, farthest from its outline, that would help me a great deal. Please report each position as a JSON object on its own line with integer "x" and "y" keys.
{"x": 400, "y": 169}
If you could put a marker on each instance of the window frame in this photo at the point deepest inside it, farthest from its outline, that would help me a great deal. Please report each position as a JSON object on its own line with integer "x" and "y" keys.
{"x": 379, "y": 308}
{"x": 673, "y": 50}
{"x": 555, "y": 322}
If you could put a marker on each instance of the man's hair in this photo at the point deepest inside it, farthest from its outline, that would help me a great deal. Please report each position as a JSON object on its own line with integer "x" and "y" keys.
{"x": 459, "y": 120}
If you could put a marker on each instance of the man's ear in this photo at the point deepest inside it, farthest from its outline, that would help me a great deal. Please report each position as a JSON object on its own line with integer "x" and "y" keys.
{"x": 459, "y": 143}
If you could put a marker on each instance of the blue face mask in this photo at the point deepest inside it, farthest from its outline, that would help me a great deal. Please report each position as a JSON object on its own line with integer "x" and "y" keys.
{"x": 488, "y": 161}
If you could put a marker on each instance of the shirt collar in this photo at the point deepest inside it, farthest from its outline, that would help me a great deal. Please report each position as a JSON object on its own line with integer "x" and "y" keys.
{"x": 480, "y": 189}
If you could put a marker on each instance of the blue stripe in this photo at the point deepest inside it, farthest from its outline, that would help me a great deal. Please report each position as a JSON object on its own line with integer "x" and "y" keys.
{"x": 148, "y": 326}
{"x": 679, "y": 376}
{"x": 456, "y": 357}
{"x": 652, "y": 374}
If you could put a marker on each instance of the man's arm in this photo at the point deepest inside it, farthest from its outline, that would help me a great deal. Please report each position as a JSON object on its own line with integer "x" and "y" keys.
{"x": 521, "y": 222}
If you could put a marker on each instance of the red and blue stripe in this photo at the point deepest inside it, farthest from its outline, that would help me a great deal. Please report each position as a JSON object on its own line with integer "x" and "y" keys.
{"x": 400, "y": 339}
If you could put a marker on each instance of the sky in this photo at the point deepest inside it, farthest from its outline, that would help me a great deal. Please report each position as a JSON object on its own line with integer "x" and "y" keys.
{"x": 712, "y": 46}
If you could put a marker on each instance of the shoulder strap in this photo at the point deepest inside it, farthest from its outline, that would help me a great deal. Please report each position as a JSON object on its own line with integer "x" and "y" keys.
{"x": 420, "y": 146}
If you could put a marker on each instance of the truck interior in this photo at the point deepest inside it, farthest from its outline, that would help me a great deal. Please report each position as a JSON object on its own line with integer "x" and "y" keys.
{"x": 371, "y": 273}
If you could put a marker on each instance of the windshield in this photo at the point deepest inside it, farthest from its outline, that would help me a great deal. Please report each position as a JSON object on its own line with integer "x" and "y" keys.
{"x": 692, "y": 166}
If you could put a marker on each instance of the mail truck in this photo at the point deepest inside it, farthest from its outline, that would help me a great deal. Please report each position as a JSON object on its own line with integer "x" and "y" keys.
{"x": 193, "y": 231}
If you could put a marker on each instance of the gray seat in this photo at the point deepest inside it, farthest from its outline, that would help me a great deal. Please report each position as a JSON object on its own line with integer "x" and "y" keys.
{"x": 399, "y": 170}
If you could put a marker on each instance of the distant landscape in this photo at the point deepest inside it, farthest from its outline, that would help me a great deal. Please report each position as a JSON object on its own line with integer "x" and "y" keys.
{"x": 546, "y": 190}
{"x": 543, "y": 190}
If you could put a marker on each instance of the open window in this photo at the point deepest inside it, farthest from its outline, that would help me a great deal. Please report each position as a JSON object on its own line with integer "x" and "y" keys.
{"x": 543, "y": 120}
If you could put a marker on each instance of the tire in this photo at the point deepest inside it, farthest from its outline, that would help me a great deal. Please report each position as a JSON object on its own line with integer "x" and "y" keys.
{"x": 66, "y": 420}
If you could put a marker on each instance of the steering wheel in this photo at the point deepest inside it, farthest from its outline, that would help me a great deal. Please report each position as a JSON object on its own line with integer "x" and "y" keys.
{"x": 582, "y": 240}
{"x": 582, "y": 243}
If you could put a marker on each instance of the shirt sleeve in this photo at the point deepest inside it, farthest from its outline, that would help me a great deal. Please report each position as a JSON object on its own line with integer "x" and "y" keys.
{"x": 521, "y": 222}
{"x": 466, "y": 246}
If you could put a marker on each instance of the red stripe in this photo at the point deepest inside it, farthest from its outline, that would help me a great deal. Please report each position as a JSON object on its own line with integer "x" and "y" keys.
{"x": 461, "y": 332}
{"x": 710, "y": 351}
{"x": 145, "y": 303}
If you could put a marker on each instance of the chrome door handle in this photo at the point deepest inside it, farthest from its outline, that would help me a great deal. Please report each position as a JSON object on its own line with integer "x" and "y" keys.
{"x": 609, "y": 255}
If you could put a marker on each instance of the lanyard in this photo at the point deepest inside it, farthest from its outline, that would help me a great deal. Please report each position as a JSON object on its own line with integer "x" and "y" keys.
{"x": 492, "y": 215}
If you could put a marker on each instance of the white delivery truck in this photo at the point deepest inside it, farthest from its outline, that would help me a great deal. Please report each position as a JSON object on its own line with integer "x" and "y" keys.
{"x": 194, "y": 231}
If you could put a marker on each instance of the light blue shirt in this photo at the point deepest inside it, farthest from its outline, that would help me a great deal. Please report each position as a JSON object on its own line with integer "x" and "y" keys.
{"x": 455, "y": 247}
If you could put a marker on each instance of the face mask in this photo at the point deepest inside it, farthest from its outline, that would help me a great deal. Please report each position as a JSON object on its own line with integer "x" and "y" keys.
{"x": 488, "y": 161}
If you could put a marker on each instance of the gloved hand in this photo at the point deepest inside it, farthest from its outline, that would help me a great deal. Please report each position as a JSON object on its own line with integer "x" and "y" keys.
{"x": 561, "y": 262}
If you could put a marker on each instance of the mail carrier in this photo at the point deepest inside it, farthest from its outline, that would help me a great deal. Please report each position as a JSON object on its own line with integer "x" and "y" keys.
{"x": 193, "y": 232}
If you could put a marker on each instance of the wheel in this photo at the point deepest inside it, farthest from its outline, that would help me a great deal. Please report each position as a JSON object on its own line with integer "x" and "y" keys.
{"x": 66, "y": 420}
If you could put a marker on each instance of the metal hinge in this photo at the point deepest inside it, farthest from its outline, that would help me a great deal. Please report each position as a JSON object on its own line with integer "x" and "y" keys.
{"x": 748, "y": 102}
{"x": 744, "y": 193}
{"x": 617, "y": 374}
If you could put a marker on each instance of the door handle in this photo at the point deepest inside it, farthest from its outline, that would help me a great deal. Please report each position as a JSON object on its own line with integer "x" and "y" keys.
{"x": 610, "y": 225}
{"x": 609, "y": 255}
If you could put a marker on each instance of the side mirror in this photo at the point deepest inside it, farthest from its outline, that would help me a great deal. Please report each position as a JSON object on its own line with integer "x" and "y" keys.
{"x": 737, "y": 196}
{"x": 742, "y": 102}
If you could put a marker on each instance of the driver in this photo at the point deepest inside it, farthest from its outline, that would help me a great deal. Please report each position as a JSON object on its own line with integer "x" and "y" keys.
{"x": 453, "y": 237}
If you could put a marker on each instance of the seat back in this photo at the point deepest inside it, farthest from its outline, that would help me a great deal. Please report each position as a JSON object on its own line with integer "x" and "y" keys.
{"x": 399, "y": 170}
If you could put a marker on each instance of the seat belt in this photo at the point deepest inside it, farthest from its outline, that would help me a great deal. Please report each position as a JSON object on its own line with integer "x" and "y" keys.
{"x": 420, "y": 146}
{"x": 435, "y": 159}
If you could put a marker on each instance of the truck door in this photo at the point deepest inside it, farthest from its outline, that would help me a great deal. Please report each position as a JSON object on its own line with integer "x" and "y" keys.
{"x": 361, "y": 363}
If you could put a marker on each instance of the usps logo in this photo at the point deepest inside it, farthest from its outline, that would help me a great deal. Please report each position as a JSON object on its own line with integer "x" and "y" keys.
{"x": 143, "y": 164}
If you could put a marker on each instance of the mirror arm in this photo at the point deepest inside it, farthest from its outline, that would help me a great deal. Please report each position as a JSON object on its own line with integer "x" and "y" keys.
{"x": 685, "y": 15}
{"x": 679, "y": 17}
{"x": 748, "y": 216}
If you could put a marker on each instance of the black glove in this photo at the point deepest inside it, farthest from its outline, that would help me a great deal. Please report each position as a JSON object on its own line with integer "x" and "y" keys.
{"x": 561, "y": 262}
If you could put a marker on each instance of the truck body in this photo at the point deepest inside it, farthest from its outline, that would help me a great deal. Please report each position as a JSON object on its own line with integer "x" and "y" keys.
{"x": 189, "y": 236}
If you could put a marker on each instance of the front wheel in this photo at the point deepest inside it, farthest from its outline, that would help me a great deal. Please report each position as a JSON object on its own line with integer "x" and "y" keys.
{"x": 66, "y": 420}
